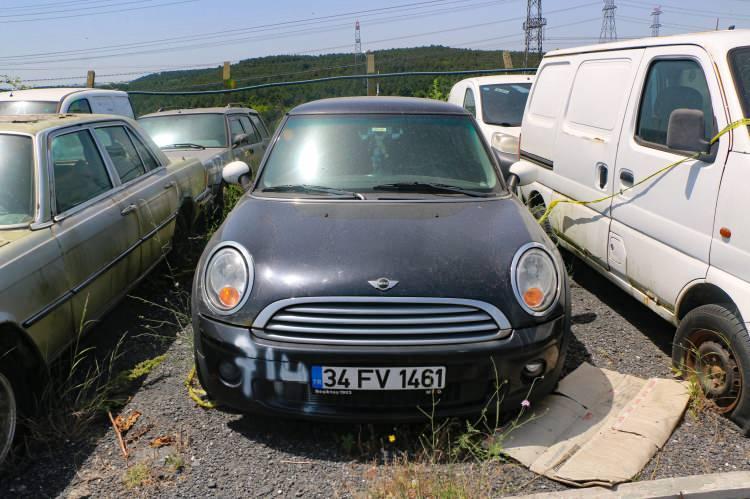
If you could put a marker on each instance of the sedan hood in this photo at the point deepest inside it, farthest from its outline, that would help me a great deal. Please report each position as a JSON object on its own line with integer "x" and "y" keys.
{"x": 433, "y": 249}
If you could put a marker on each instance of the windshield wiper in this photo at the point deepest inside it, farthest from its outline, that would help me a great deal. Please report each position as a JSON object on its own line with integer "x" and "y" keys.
{"x": 307, "y": 188}
{"x": 183, "y": 145}
{"x": 428, "y": 187}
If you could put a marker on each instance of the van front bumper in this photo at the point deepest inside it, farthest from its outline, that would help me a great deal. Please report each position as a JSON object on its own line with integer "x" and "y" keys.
{"x": 274, "y": 377}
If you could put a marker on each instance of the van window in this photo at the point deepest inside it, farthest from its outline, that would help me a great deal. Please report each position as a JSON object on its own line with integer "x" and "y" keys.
{"x": 672, "y": 84}
{"x": 121, "y": 151}
{"x": 740, "y": 62}
{"x": 547, "y": 94}
{"x": 80, "y": 174}
{"x": 469, "y": 103}
{"x": 503, "y": 104}
{"x": 80, "y": 106}
{"x": 259, "y": 125}
{"x": 599, "y": 90}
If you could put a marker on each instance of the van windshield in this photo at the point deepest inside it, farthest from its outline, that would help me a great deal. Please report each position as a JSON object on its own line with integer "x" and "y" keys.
{"x": 504, "y": 104}
{"x": 17, "y": 173}
{"x": 28, "y": 107}
{"x": 371, "y": 153}
{"x": 175, "y": 130}
{"x": 740, "y": 60}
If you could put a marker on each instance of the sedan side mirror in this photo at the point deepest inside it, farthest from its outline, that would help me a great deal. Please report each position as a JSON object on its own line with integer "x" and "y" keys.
{"x": 239, "y": 139}
{"x": 687, "y": 131}
{"x": 521, "y": 173}
{"x": 237, "y": 172}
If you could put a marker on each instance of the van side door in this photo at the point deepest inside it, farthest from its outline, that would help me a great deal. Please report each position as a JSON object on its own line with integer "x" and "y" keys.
{"x": 586, "y": 147}
{"x": 661, "y": 230}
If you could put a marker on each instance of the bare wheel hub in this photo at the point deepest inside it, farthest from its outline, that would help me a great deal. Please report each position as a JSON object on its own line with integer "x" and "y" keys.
{"x": 711, "y": 359}
{"x": 7, "y": 416}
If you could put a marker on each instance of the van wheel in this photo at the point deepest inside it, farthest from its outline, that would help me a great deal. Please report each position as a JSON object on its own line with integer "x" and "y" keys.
{"x": 712, "y": 344}
{"x": 8, "y": 414}
{"x": 536, "y": 206}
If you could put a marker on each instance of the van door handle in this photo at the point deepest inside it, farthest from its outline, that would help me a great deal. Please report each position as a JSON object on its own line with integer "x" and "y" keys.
{"x": 626, "y": 178}
{"x": 603, "y": 172}
{"x": 128, "y": 209}
{"x": 169, "y": 185}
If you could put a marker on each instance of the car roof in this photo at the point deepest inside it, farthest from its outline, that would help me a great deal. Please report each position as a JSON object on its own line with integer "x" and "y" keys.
{"x": 36, "y": 123}
{"x": 203, "y": 110}
{"x": 715, "y": 42}
{"x": 52, "y": 94}
{"x": 377, "y": 105}
{"x": 489, "y": 80}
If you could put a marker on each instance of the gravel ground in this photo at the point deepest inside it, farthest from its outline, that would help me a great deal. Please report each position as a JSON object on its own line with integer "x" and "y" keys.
{"x": 224, "y": 454}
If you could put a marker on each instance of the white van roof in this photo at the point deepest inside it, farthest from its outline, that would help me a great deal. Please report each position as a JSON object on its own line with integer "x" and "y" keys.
{"x": 495, "y": 79}
{"x": 717, "y": 43}
{"x": 53, "y": 94}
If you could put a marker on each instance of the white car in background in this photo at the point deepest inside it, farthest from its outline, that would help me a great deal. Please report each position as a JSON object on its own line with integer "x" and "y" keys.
{"x": 497, "y": 102}
{"x": 66, "y": 100}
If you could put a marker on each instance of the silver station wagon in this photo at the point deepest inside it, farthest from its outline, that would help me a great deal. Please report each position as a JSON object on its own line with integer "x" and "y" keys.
{"x": 88, "y": 205}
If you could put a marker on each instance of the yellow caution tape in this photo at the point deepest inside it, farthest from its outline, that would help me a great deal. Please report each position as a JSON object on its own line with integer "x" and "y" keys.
{"x": 197, "y": 394}
{"x": 727, "y": 129}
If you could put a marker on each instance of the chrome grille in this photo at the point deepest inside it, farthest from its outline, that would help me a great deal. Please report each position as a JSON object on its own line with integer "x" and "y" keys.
{"x": 381, "y": 321}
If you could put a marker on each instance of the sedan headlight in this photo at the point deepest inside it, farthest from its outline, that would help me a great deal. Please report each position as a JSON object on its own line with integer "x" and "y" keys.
{"x": 535, "y": 279}
{"x": 505, "y": 143}
{"x": 229, "y": 278}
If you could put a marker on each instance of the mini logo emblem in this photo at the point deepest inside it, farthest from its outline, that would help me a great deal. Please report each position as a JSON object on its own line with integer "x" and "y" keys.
{"x": 383, "y": 284}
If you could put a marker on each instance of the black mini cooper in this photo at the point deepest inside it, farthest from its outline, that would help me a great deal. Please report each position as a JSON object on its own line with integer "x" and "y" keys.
{"x": 378, "y": 264}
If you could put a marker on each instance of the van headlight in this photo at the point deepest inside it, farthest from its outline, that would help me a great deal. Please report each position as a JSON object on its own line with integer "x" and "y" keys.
{"x": 505, "y": 143}
{"x": 535, "y": 279}
{"x": 228, "y": 278}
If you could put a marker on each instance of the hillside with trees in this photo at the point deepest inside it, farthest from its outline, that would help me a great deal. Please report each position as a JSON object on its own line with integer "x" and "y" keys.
{"x": 274, "y": 102}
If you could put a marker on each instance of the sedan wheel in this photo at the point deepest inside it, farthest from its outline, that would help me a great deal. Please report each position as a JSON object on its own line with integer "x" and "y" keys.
{"x": 8, "y": 416}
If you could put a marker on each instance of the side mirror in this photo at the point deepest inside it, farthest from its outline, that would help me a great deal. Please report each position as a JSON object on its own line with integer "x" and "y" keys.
{"x": 521, "y": 173}
{"x": 237, "y": 172}
{"x": 687, "y": 131}
{"x": 239, "y": 139}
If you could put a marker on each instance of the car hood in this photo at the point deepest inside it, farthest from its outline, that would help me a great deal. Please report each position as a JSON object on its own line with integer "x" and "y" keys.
{"x": 433, "y": 249}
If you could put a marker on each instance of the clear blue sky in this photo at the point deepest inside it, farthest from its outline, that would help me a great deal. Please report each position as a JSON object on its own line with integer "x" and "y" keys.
{"x": 48, "y": 38}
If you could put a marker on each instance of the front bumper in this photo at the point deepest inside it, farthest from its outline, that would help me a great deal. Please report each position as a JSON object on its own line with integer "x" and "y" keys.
{"x": 275, "y": 376}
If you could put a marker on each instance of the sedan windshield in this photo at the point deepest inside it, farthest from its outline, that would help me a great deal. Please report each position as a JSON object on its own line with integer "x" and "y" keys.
{"x": 504, "y": 104}
{"x": 186, "y": 130}
{"x": 741, "y": 68}
{"x": 27, "y": 107}
{"x": 384, "y": 154}
{"x": 17, "y": 186}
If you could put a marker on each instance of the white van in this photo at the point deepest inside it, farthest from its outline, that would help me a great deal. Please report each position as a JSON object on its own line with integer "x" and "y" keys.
{"x": 603, "y": 118}
{"x": 497, "y": 102}
{"x": 66, "y": 100}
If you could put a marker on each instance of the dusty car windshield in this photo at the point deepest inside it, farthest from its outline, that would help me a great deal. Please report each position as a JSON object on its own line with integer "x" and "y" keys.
{"x": 28, "y": 107}
{"x": 504, "y": 104}
{"x": 206, "y": 130}
{"x": 17, "y": 186}
{"x": 741, "y": 67}
{"x": 375, "y": 153}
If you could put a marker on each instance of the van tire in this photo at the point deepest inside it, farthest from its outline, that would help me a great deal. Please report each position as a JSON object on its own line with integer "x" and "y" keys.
{"x": 536, "y": 206}
{"x": 713, "y": 343}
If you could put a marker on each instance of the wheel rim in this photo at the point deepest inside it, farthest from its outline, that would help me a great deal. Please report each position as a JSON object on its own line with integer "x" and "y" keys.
{"x": 8, "y": 416}
{"x": 711, "y": 359}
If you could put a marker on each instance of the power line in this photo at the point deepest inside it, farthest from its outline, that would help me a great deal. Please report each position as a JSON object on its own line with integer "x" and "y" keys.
{"x": 655, "y": 24}
{"x": 534, "y": 28}
{"x": 55, "y": 18}
{"x": 45, "y": 11}
{"x": 608, "y": 32}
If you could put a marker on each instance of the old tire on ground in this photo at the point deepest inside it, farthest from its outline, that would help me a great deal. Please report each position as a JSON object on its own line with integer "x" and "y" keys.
{"x": 713, "y": 345}
{"x": 8, "y": 413}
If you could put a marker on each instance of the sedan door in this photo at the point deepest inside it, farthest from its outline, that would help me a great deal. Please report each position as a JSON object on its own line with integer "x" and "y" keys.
{"x": 87, "y": 223}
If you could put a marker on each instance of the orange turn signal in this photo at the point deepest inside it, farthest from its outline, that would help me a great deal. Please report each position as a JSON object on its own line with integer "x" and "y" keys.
{"x": 229, "y": 296}
{"x": 533, "y": 297}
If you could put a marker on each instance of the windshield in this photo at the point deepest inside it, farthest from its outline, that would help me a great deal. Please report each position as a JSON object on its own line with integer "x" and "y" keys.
{"x": 17, "y": 173}
{"x": 741, "y": 68}
{"x": 377, "y": 153}
{"x": 206, "y": 130}
{"x": 28, "y": 107}
{"x": 504, "y": 104}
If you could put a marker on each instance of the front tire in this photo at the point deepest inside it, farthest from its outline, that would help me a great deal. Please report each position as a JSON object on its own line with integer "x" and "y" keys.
{"x": 8, "y": 415}
{"x": 712, "y": 344}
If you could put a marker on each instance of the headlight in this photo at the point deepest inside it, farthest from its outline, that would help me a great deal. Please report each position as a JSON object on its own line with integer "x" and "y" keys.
{"x": 505, "y": 143}
{"x": 535, "y": 280}
{"x": 229, "y": 278}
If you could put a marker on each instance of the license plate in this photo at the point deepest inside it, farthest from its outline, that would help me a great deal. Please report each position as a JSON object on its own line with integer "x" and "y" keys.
{"x": 378, "y": 378}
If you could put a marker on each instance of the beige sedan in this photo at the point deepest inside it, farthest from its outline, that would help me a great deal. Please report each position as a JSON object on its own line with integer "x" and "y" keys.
{"x": 88, "y": 206}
